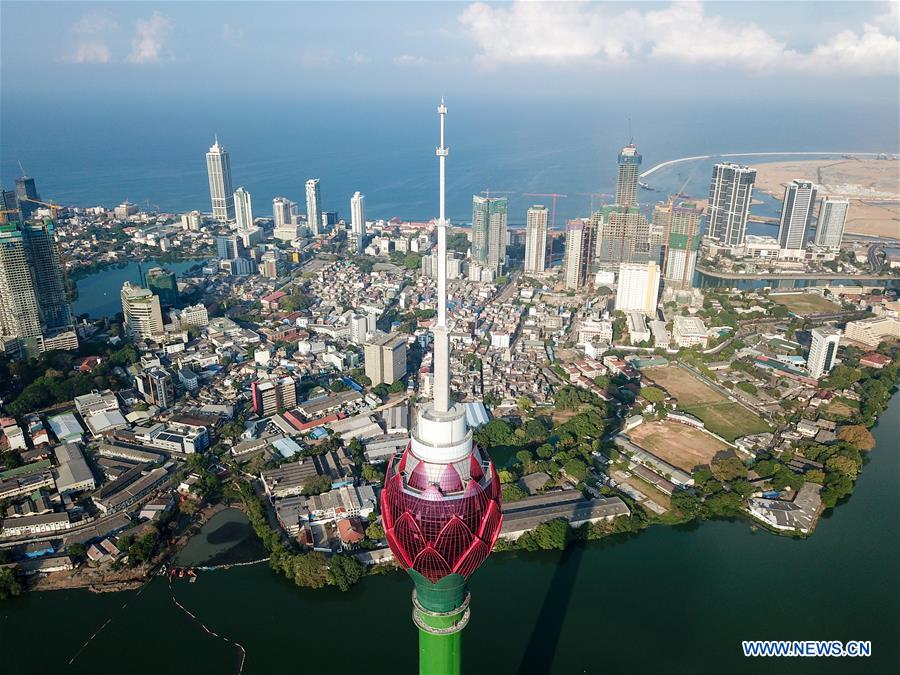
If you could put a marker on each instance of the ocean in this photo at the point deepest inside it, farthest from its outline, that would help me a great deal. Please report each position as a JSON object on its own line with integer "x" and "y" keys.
{"x": 152, "y": 152}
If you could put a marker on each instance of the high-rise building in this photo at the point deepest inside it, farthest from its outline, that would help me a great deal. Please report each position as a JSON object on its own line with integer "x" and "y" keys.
{"x": 164, "y": 285}
{"x": 358, "y": 219}
{"x": 796, "y": 214}
{"x": 536, "y": 238}
{"x": 489, "y": 231}
{"x": 385, "y": 357}
{"x": 622, "y": 235}
{"x": 441, "y": 499}
{"x": 286, "y": 228}
{"x": 831, "y": 221}
{"x": 730, "y": 194}
{"x": 157, "y": 386}
{"x": 27, "y": 197}
{"x": 682, "y": 242}
{"x": 274, "y": 395}
{"x": 243, "y": 210}
{"x": 34, "y": 307}
{"x": 638, "y": 288}
{"x": 143, "y": 316}
{"x": 314, "y": 206}
{"x": 629, "y": 168}
{"x": 572, "y": 257}
{"x": 230, "y": 247}
{"x": 822, "y": 351}
{"x": 221, "y": 194}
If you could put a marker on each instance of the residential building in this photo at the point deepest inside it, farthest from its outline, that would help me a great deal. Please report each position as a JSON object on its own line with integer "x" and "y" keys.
{"x": 286, "y": 226}
{"x": 164, "y": 285}
{"x": 385, "y": 358}
{"x": 489, "y": 216}
{"x": 143, "y": 316}
{"x": 314, "y": 206}
{"x": 730, "y": 196}
{"x": 243, "y": 210}
{"x": 822, "y": 351}
{"x": 579, "y": 253}
{"x": 831, "y": 221}
{"x": 358, "y": 220}
{"x": 194, "y": 315}
{"x": 125, "y": 210}
{"x": 157, "y": 387}
{"x": 627, "y": 176}
{"x": 274, "y": 395}
{"x": 873, "y": 331}
{"x": 638, "y": 288}
{"x": 689, "y": 331}
{"x": 536, "y": 222}
{"x": 221, "y": 194}
{"x": 796, "y": 214}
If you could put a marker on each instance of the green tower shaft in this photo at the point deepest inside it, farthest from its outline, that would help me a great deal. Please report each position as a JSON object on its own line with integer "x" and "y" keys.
{"x": 440, "y": 612}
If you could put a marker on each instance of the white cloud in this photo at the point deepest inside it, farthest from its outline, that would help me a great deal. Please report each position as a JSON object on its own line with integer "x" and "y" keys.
{"x": 149, "y": 39}
{"x": 682, "y": 33}
{"x": 359, "y": 59}
{"x": 409, "y": 60}
{"x": 91, "y": 52}
{"x": 98, "y": 21}
{"x": 233, "y": 35}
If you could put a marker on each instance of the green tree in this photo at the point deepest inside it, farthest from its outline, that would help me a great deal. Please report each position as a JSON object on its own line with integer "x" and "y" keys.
{"x": 344, "y": 571}
{"x": 576, "y": 468}
{"x": 525, "y": 457}
{"x": 653, "y": 394}
{"x": 372, "y": 474}
{"x": 512, "y": 493}
{"x": 857, "y": 436}
{"x": 375, "y": 532}
{"x": 10, "y": 586}
{"x": 316, "y": 485}
{"x": 728, "y": 468}
{"x": 525, "y": 405}
{"x": 76, "y": 551}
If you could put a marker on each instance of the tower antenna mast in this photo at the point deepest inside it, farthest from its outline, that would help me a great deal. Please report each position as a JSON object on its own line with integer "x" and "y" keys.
{"x": 441, "y": 336}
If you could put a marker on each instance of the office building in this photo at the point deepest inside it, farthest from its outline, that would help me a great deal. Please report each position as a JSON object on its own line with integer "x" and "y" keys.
{"x": 489, "y": 216}
{"x": 34, "y": 307}
{"x": 358, "y": 220}
{"x": 831, "y": 221}
{"x": 156, "y": 386}
{"x": 282, "y": 212}
{"x": 314, "y": 206}
{"x": 638, "y": 287}
{"x": 622, "y": 236}
{"x": 143, "y": 316}
{"x": 230, "y": 247}
{"x": 163, "y": 284}
{"x": 125, "y": 210}
{"x": 385, "y": 358}
{"x": 796, "y": 215}
{"x": 536, "y": 238}
{"x": 243, "y": 210}
{"x": 629, "y": 168}
{"x": 274, "y": 395}
{"x": 682, "y": 243}
{"x": 823, "y": 350}
{"x": 221, "y": 194}
{"x": 730, "y": 195}
{"x": 270, "y": 264}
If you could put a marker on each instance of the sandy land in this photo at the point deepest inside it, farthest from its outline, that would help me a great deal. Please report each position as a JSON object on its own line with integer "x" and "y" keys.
{"x": 868, "y": 183}
{"x": 677, "y": 444}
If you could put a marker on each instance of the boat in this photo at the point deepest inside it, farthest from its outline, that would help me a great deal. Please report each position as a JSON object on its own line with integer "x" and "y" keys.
{"x": 644, "y": 186}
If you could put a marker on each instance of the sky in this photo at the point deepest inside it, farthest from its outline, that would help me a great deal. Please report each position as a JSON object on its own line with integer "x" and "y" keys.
{"x": 315, "y": 53}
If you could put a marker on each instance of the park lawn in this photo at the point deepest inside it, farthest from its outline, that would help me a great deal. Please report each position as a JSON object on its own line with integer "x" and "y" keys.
{"x": 678, "y": 444}
{"x": 728, "y": 419}
{"x": 682, "y": 385}
{"x": 805, "y": 303}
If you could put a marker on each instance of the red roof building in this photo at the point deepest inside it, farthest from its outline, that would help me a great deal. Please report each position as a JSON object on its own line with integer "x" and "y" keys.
{"x": 874, "y": 360}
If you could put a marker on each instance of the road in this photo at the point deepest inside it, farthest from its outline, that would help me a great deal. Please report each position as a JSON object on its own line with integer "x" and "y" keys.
{"x": 662, "y": 165}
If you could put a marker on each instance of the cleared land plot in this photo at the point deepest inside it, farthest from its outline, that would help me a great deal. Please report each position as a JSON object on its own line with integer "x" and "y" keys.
{"x": 842, "y": 408}
{"x": 677, "y": 444}
{"x": 683, "y": 385}
{"x": 723, "y": 417}
{"x": 728, "y": 419}
{"x": 805, "y": 303}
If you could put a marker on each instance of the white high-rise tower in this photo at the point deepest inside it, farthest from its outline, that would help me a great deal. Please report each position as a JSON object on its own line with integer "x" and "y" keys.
{"x": 358, "y": 219}
{"x": 313, "y": 206}
{"x": 796, "y": 214}
{"x": 243, "y": 210}
{"x": 536, "y": 239}
{"x": 218, "y": 167}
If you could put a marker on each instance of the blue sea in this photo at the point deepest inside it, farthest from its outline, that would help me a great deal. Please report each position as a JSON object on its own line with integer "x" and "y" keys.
{"x": 152, "y": 151}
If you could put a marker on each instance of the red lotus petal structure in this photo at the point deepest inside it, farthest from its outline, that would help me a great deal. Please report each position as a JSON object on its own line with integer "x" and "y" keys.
{"x": 441, "y": 519}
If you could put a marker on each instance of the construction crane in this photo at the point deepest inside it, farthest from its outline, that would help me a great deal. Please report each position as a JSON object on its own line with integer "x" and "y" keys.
{"x": 601, "y": 195}
{"x": 50, "y": 205}
{"x": 3, "y": 213}
{"x": 555, "y": 196}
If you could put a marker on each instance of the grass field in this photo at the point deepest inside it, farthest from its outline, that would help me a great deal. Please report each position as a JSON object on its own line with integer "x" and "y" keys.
{"x": 805, "y": 303}
{"x": 682, "y": 385}
{"x": 677, "y": 444}
{"x": 723, "y": 417}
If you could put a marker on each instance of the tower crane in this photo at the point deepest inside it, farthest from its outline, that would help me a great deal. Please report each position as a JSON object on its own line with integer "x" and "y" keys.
{"x": 555, "y": 196}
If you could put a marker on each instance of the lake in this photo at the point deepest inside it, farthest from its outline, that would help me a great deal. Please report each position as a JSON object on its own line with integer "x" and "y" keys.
{"x": 674, "y": 600}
